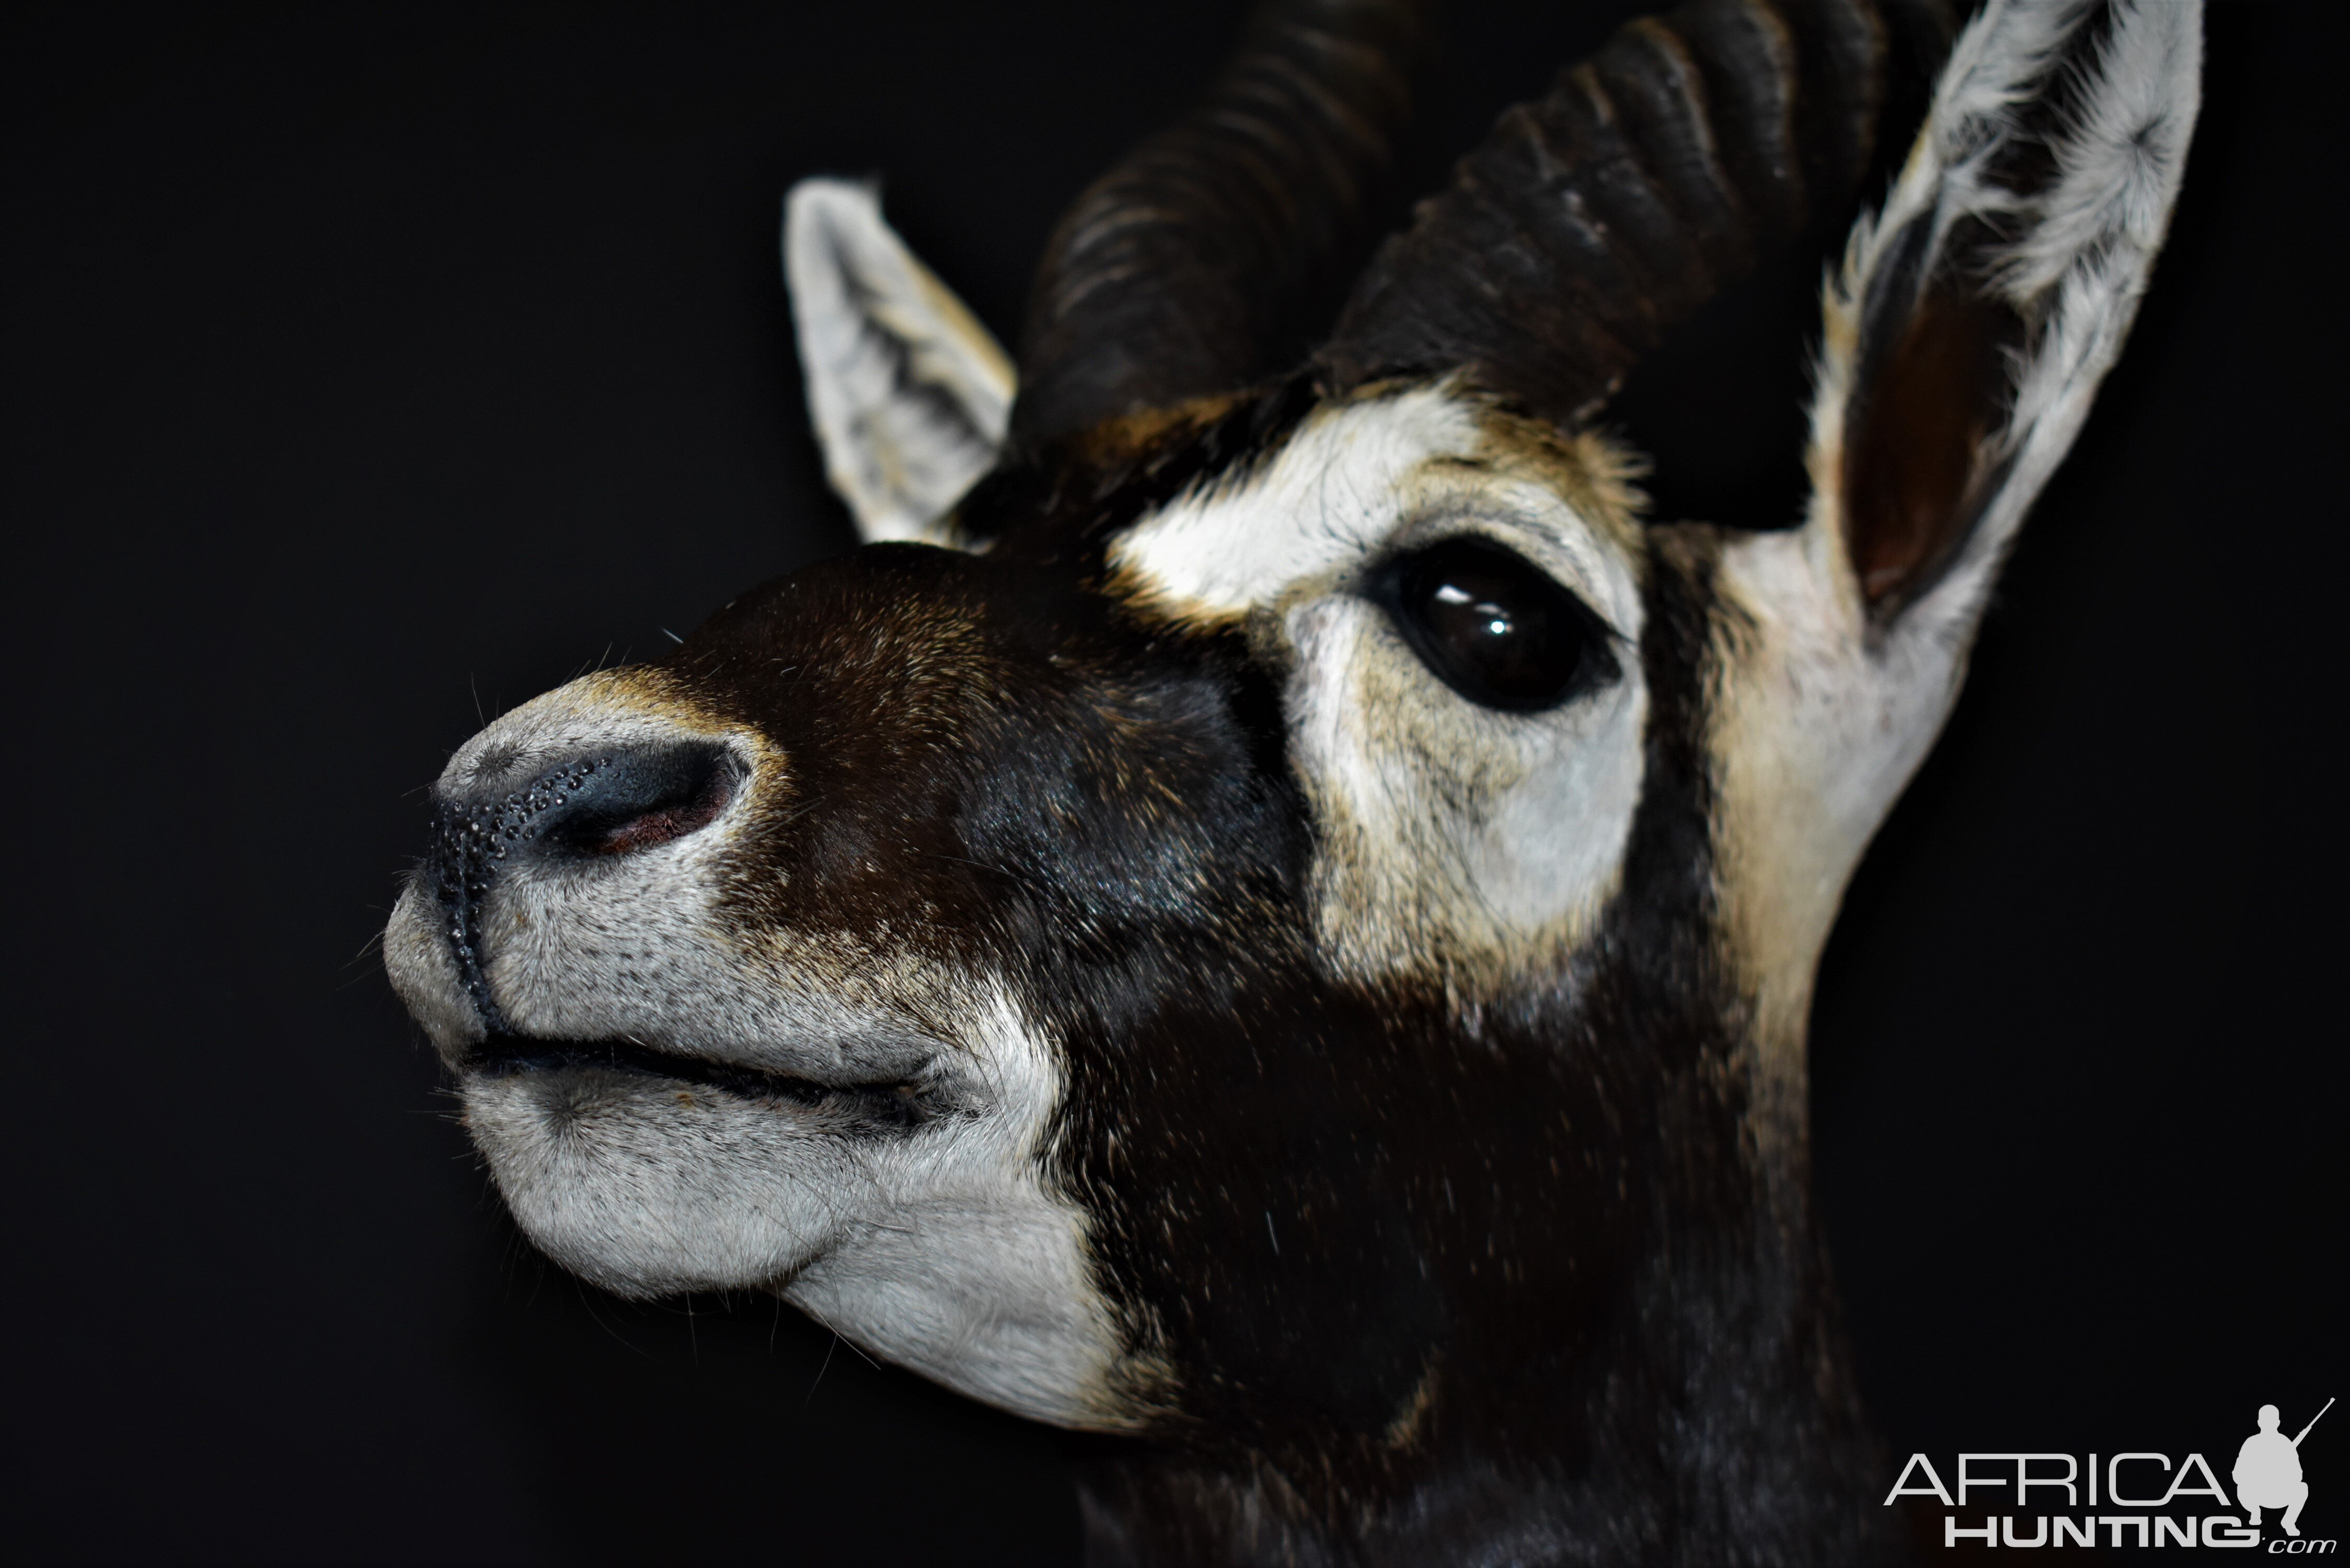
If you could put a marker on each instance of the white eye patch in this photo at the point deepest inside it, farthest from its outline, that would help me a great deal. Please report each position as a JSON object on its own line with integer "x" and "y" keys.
{"x": 1453, "y": 836}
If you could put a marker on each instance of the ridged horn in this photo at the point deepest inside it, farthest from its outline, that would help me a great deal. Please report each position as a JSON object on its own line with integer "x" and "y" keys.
{"x": 1590, "y": 222}
{"x": 1166, "y": 280}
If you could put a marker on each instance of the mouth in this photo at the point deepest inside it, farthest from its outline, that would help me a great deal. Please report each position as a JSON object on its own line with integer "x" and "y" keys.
{"x": 899, "y": 1103}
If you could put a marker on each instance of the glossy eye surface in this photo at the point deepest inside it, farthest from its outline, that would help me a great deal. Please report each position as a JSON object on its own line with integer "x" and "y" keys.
{"x": 1494, "y": 627}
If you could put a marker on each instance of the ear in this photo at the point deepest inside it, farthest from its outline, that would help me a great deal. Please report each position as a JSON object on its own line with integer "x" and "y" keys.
{"x": 1972, "y": 321}
{"x": 908, "y": 394}
{"x": 1965, "y": 337}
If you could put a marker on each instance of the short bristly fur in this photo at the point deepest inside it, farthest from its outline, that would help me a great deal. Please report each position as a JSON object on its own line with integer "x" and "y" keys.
{"x": 1143, "y": 972}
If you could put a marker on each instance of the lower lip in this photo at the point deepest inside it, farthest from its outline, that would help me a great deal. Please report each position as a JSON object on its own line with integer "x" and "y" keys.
{"x": 892, "y": 1103}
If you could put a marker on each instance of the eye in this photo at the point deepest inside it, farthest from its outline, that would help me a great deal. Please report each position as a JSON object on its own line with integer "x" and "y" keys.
{"x": 1494, "y": 627}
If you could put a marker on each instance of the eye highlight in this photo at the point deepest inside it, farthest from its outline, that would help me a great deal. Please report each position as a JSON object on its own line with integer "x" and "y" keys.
{"x": 1494, "y": 627}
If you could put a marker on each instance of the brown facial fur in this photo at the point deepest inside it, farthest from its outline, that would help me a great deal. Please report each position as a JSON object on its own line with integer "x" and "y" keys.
{"x": 1537, "y": 1278}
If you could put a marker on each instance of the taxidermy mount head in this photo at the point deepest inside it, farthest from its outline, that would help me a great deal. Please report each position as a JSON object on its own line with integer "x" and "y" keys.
{"x": 1271, "y": 908}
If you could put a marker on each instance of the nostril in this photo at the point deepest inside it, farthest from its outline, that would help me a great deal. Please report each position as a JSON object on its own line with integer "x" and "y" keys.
{"x": 616, "y": 803}
{"x": 637, "y": 800}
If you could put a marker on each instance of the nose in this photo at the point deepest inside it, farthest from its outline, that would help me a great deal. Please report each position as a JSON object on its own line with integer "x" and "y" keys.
{"x": 612, "y": 802}
{"x": 597, "y": 806}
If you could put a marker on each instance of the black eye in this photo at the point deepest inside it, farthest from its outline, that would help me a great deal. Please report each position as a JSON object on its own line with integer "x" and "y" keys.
{"x": 1494, "y": 627}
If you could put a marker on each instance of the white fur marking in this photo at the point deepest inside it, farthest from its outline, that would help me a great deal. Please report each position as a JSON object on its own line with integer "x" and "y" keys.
{"x": 940, "y": 1246}
{"x": 1450, "y": 834}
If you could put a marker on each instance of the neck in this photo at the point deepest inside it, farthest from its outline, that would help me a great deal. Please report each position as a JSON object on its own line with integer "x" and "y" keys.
{"x": 1697, "y": 1408}
{"x": 1540, "y": 1281}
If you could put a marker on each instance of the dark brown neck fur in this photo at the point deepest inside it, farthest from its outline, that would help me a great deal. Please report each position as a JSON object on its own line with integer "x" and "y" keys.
{"x": 1504, "y": 1283}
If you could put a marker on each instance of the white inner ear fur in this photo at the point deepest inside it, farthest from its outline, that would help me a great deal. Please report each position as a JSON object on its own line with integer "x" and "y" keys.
{"x": 909, "y": 393}
{"x": 1824, "y": 715}
{"x": 1451, "y": 837}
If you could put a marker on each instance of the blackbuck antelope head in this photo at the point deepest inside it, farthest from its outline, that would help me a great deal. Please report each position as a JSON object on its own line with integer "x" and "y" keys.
{"x": 1272, "y": 909}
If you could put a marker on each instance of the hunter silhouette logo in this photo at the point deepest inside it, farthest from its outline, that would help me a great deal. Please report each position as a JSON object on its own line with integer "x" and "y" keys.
{"x": 2136, "y": 1499}
{"x": 2268, "y": 1470}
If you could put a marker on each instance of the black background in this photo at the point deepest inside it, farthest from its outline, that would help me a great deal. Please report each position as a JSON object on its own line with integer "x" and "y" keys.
{"x": 371, "y": 369}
